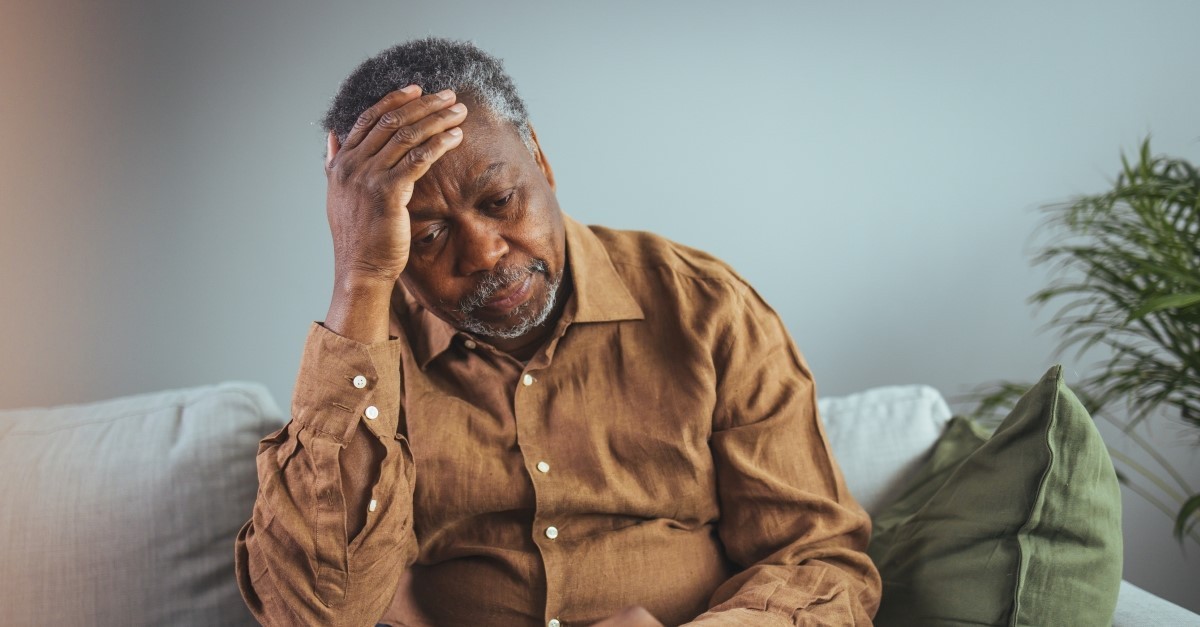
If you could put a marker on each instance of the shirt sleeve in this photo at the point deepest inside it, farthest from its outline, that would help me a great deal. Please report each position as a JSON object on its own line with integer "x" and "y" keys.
{"x": 296, "y": 561}
{"x": 787, "y": 518}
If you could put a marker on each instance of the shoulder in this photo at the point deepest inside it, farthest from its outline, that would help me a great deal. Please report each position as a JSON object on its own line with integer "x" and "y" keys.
{"x": 648, "y": 260}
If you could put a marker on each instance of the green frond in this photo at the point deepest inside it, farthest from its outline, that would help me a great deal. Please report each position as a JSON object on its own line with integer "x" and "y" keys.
{"x": 1125, "y": 276}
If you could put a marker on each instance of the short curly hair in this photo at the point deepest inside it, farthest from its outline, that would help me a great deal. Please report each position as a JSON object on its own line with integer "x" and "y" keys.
{"x": 433, "y": 64}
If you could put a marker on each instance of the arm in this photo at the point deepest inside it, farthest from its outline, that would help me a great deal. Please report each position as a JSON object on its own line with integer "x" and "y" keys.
{"x": 315, "y": 551}
{"x": 331, "y": 531}
{"x": 786, "y": 515}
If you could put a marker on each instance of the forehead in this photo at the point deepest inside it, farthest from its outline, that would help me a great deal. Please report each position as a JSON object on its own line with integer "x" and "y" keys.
{"x": 489, "y": 147}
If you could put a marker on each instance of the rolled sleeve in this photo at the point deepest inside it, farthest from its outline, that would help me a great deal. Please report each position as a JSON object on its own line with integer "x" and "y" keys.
{"x": 296, "y": 561}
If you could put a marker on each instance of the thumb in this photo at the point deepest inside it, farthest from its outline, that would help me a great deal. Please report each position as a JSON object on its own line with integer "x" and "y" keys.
{"x": 331, "y": 148}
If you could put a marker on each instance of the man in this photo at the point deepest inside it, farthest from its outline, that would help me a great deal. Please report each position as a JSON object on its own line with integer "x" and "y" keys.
{"x": 508, "y": 418}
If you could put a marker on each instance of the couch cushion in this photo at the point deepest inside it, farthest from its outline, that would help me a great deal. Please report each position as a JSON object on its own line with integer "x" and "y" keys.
{"x": 880, "y": 437}
{"x": 1022, "y": 528}
{"x": 124, "y": 512}
{"x": 1138, "y": 608}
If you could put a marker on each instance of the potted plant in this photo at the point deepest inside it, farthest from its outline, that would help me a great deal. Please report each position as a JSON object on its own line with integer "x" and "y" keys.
{"x": 1126, "y": 280}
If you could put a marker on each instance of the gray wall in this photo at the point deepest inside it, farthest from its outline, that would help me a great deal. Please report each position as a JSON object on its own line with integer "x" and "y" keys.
{"x": 874, "y": 169}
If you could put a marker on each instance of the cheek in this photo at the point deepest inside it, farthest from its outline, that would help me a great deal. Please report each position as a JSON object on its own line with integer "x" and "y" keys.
{"x": 544, "y": 231}
{"x": 426, "y": 288}
{"x": 554, "y": 245}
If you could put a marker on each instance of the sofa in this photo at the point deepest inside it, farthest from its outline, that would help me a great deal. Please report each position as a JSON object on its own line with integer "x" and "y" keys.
{"x": 124, "y": 512}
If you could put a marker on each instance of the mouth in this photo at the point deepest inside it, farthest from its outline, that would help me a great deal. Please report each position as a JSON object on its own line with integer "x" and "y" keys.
{"x": 509, "y": 297}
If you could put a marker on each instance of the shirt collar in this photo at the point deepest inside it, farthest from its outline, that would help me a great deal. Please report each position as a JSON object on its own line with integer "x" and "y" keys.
{"x": 599, "y": 295}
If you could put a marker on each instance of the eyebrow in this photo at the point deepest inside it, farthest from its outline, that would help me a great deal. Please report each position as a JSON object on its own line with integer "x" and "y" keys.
{"x": 425, "y": 213}
{"x": 486, "y": 176}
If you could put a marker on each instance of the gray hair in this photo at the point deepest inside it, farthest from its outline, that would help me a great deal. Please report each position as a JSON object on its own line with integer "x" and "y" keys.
{"x": 433, "y": 64}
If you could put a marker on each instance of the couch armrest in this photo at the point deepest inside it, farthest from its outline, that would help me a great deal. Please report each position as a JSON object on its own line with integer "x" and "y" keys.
{"x": 1136, "y": 607}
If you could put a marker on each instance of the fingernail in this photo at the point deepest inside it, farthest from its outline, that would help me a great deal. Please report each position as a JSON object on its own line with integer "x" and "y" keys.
{"x": 445, "y": 94}
{"x": 455, "y": 131}
{"x": 458, "y": 108}
{"x": 410, "y": 90}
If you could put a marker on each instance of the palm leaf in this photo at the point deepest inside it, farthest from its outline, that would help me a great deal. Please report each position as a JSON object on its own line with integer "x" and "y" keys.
{"x": 1125, "y": 268}
{"x": 1170, "y": 301}
{"x": 1189, "y": 510}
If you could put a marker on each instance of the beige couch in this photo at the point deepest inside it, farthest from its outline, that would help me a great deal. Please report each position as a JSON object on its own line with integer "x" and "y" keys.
{"x": 124, "y": 512}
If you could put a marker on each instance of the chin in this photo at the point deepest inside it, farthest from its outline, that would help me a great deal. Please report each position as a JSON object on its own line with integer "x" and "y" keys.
{"x": 522, "y": 318}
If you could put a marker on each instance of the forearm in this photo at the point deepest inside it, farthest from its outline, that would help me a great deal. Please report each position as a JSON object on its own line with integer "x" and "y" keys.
{"x": 331, "y": 531}
{"x": 358, "y": 311}
{"x": 842, "y": 588}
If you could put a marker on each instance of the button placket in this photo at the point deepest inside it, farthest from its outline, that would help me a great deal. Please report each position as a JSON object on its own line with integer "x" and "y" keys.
{"x": 528, "y": 403}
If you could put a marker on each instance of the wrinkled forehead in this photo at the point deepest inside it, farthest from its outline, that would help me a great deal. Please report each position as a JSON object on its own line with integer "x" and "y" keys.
{"x": 487, "y": 141}
{"x": 491, "y": 153}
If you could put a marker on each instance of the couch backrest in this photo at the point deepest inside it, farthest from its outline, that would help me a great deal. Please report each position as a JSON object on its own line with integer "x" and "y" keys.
{"x": 880, "y": 436}
{"x": 124, "y": 512}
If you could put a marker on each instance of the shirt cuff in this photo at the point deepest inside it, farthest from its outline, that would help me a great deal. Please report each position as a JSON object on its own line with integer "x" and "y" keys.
{"x": 342, "y": 381}
{"x": 740, "y": 617}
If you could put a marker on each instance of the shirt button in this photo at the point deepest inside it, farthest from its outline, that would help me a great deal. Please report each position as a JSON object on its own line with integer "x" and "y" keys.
{"x": 552, "y": 532}
{"x": 372, "y": 412}
{"x": 553, "y": 623}
{"x": 360, "y": 382}
{"x": 470, "y": 344}
{"x": 527, "y": 380}
{"x": 371, "y": 505}
{"x": 543, "y": 467}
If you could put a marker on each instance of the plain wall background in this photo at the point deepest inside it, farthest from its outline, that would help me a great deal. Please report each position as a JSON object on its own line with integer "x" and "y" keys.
{"x": 873, "y": 168}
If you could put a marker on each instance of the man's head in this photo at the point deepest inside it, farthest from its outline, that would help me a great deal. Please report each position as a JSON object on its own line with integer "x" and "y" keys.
{"x": 488, "y": 246}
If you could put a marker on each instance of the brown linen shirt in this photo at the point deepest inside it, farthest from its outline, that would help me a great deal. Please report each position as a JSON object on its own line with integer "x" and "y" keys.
{"x": 662, "y": 449}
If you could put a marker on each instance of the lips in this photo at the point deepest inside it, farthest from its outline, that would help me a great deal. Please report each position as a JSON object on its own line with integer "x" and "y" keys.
{"x": 510, "y": 296}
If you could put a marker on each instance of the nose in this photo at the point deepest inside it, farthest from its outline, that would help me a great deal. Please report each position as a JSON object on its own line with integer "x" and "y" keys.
{"x": 480, "y": 246}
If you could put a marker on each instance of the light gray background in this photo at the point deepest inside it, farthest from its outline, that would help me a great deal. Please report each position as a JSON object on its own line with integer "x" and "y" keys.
{"x": 873, "y": 168}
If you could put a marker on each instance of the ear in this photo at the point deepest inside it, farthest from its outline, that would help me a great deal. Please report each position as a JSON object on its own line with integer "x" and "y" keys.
{"x": 540, "y": 158}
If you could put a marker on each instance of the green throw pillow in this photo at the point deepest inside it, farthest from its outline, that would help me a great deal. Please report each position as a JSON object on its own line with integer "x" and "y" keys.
{"x": 1022, "y": 528}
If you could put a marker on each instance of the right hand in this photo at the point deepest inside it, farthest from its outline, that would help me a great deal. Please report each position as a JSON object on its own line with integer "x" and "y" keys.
{"x": 372, "y": 175}
{"x": 633, "y": 616}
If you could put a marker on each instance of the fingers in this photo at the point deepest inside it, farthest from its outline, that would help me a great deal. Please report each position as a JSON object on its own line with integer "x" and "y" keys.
{"x": 401, "y": 128}
{"x": 367, "y": 119}
{"x": 416, "y": 162}
{"x": 408, "y": 138}
{"x": 634, "y": 616}
{"x": 331, "y": 149}
{"x": 402, "y": 135}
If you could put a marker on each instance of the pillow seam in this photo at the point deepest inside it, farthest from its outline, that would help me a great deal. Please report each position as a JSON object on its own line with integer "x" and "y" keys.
{"x": 1023, "y": 552}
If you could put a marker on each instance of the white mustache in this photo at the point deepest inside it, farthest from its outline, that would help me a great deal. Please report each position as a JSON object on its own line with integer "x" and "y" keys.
{"x": 496, "y": 281}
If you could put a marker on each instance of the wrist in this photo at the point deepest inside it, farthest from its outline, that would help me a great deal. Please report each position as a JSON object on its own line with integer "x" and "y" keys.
{"x": 360, "y": 308}
{"x": 363, "y": 282}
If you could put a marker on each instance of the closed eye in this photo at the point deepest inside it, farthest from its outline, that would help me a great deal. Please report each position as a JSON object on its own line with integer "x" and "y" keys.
{"x": 503, "y": 201}
{"x": 430, "y": 237}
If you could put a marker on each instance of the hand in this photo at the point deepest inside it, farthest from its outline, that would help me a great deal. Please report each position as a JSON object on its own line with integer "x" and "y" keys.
{"x": 636, "y": 616}
{"x": 371, "y": 178}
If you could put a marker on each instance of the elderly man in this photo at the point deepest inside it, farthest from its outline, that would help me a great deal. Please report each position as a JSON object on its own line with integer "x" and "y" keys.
{"x": 509, "y": 418}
